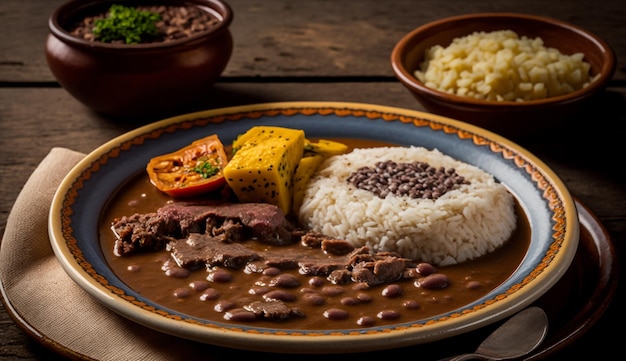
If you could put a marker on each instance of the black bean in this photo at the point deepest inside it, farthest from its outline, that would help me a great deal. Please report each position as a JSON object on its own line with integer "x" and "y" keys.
{"x": 473, "y": 285}
{"x": 134, "y": 268}
{"x": 220, "y": 276}
{"x": 199, "y": 285}
{"x": 392, "y": 291}
{"x": 177, "y": 272}
{"x": 271, "y": 271}
{"x": 316, "y": 281}
{"x": 175, "y": 22}
{"x": 411, "y": 304}
{"x": 433, "y": 281}
{"x": 314, "y": 299}
{"x": 336, "y": 314}
{"x": 259, "y": 290}
{"x": 224, "y": 306}
{"x": 366, "y": 321}
{"x": 332, "y": 290}
{"x": 415, "y": 180}
{"x": 181, "y": 292}
{"x": 285, "y": 280}
{"x": 280, "y": 295}
{"x": 239, "y": 315}
{"x": 349, "y": 301}
{"x": 388, "y": 314}
{"x": 360, "y": 286}
{"x": 425, "y": 269}
{"x": 209, "y": 294}
{"x": 364, "y": 298}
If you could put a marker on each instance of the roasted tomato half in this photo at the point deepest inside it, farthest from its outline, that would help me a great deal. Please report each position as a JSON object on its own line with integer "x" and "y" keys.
{"x": 190, "y": 171}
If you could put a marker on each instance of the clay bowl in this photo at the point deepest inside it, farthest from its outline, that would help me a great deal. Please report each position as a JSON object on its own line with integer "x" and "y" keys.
{"x": 509, "y": 118}
{"x": 136, "y": 80}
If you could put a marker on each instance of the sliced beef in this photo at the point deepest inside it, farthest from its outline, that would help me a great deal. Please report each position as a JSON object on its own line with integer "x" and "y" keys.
{"x": 364, "y": 272}
{"x": 230, "y": 231}
{"x": 383, "y": 270}
{"x": 340, "y": 277}
{"x": 309, "y": 261}
{"x": 272, "y": 309}
{"x": 336, "y": 246}
{"x": 203, "y": 250}
{"x": 312, "y": 239}
{"x": 232, "y": 222}
{"x": 212, "y": 235}
{"x": 281, "y": 260}
{"x": 360, "y": 254}
{"x": 328, "y": 244}
{"x": 265, "y": 222}
{"x": 142, "y": 231}
{"x": 321, "y": 266}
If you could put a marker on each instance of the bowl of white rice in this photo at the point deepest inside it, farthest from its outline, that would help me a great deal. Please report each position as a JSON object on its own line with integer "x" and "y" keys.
{"x": 514, "y": 74}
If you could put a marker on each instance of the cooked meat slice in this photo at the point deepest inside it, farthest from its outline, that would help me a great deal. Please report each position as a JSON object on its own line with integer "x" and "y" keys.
{"x": 340, "y": 277}
{"x": 141, "y": 232}
{"x": 328, "y": 244}
{"x": 337, "y": 246}
{"x": 322, "y": 266}
{"x": 266, "y": 222}
{"x": 271, "y": 309}
{"x": 202, "y": 250}
{"x": 233, "y": 222}
{"x": 383, "y": 270}
{"x": 210, "y": 235}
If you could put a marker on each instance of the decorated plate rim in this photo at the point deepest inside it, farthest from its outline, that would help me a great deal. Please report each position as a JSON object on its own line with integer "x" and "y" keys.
{"x": 546, "y": 262}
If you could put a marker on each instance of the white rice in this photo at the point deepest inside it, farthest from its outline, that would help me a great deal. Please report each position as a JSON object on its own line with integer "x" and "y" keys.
{"x": 463, "y": 224}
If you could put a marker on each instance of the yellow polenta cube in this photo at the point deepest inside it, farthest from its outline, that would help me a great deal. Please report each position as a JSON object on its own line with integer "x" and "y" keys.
{"x": 304, "y": 172}
{"x": 324, "y": 148}
{"x": 314, "y": 154}
{"x": 262, "y": 168}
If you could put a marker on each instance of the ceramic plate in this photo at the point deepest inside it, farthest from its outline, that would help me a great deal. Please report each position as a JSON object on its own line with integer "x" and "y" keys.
{"x": 76, "y": 208}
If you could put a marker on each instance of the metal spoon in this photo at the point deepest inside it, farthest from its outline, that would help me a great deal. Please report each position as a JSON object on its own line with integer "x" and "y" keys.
{"x": 517, "y": 337}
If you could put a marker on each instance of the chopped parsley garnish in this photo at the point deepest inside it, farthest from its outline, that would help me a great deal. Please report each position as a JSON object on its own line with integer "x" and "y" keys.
{"x": 206, "y": 169}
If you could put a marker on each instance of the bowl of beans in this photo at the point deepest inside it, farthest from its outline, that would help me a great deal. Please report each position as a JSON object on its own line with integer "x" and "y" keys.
{"x": 513, "y": 74}
{"x": 138, "y": 60}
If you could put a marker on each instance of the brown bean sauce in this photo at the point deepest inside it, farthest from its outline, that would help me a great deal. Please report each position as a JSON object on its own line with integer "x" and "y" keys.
{"x": 212, "y": 294}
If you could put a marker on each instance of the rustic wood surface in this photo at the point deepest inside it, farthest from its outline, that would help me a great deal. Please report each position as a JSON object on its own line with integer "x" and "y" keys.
{"x": 316, "y": 50}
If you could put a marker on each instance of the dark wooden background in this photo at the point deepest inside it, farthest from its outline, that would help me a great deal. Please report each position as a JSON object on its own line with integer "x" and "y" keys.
{"x": 288, "y": 50}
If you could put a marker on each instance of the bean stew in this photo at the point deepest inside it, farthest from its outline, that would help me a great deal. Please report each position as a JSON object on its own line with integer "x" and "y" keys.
{"x": 219, "y": 294}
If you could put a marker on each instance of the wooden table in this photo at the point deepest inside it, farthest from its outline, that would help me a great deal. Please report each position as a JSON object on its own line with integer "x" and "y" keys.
{"x": 316, "y": 50}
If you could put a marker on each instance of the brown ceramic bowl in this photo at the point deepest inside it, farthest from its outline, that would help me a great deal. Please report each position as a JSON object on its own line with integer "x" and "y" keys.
{"x": 136, "y": 80}
{"x": 508, "y": 118}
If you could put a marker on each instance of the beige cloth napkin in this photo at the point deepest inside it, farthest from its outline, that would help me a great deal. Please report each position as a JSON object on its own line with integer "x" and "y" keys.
{"x": 37, "y": 289}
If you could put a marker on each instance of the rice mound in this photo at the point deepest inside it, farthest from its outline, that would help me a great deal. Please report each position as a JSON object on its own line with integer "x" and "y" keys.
{"x": 461, "y": 225}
